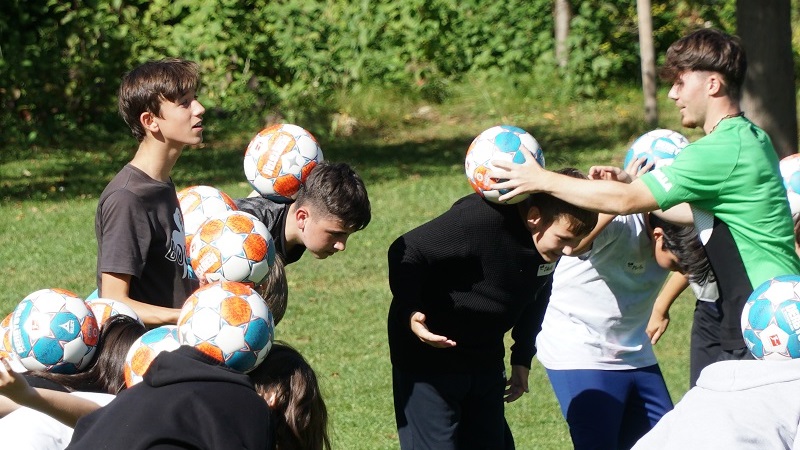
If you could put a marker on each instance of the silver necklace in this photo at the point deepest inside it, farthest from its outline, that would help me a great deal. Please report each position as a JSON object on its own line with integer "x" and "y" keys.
{"x": 729, "y": 116}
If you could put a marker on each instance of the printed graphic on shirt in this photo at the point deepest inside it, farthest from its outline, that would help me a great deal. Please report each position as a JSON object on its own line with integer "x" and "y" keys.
{"x": 635, "y": 267}
{"x": 546, "y": 269}
{"x": 176, "y": 247}
{"x": 662, "y": 179}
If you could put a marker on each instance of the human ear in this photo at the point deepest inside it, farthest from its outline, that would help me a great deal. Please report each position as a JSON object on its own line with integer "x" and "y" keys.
{"x": 301, "y": 216}
{"x": 533, "y": 219}
{"x": 715, "y": 85}
{"x": 147, "y": 119}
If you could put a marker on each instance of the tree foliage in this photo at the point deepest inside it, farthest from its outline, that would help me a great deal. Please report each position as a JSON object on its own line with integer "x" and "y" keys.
{"x": 61, "y": 61}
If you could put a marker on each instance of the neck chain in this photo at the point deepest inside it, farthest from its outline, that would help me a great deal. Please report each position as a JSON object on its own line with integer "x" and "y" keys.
{"x": 729, "y": 116}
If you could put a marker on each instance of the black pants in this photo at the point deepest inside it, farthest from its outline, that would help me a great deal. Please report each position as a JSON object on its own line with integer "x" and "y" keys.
{"x": 705, "y": 344}
{"x": 451, "y": 411}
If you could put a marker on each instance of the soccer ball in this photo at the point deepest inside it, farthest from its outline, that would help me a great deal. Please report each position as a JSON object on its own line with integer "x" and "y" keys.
{"x": 502, "y": 142}
{"x": 278, "y": 160}
{"x": 790, "y": 171}
{"x": 229, "y": 322}
{"x": 659, "y": 146}
{"x": 54, "y": 330}
{"x": 105, "y": 308}
{"x": 771, "y": 319}
{"x": 232, "y": 246}
{"x": 199, "y": 203}
{"x": 144, "y": 350}
{"x": 6, "y": 349}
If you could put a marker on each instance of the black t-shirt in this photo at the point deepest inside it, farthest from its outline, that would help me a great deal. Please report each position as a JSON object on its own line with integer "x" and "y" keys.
{"x": 274, "y": 216}
{"x": 139, "y": 229}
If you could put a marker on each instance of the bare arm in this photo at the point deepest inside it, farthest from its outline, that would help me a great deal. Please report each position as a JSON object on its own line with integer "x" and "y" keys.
{"x": 679, "y": 215}
{"x": 116, "y": 286}
{"x": 659, "y": 318}
{"x": 61, "y": 406}
{"x": 610, "y": 197}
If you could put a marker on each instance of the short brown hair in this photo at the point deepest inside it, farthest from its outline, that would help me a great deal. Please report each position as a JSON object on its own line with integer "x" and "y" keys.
{"x": 708, "y": 50}
{"x": 581, "y": 221}
{"x": 338, "y": 191}
{"x": 145, "y": 87}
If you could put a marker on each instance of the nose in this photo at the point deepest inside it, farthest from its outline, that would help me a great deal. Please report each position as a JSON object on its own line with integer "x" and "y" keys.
{"x": 199, "y": 109}
{"x": 340, "y": 245}
{"x": 566, "y": 251}
{"x": 673, "y": 92}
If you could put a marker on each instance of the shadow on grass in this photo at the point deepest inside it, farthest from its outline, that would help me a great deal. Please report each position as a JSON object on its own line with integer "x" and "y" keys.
{"x": 78, "y": 173}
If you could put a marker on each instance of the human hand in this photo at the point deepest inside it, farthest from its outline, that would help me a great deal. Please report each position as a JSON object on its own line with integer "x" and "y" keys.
{"x": 657, "y": 326}
{"x": 609, "y": 173}
{"x": 13, "y": 385}
{"x": 524, "y": 178}
{"x": 517, "y": 384}
{"x": 419, "y": 328}
{"x": 638, "y": 167}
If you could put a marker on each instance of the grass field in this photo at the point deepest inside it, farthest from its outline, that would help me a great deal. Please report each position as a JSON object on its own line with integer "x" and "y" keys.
{"x": 410, "y": 155}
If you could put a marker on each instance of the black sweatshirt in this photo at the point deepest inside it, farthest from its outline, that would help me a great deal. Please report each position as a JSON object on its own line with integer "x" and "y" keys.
{"x": 186, "y": 400}
{"x": 475, "y": 273}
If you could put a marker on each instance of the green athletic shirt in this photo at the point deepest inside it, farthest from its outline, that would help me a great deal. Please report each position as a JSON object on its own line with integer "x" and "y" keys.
{"x": 730, "y": 177}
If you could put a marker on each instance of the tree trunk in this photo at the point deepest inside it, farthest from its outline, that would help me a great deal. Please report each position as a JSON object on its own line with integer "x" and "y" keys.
{"x": 648, "y": 58}
{"x": 769, "y": 89}
{"x": 563, "y": 15}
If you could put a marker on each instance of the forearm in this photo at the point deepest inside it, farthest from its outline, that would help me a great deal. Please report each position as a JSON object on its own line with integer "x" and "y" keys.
{"x": 610, "y": 197}
{"x": 671, "y": 290}
{"x": 61, "y": 406}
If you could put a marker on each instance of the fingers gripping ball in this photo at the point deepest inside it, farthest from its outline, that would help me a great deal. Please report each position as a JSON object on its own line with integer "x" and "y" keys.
{"x": 659, "y": 146}
{"x": 232, "y": 246}
{"x": 229, "y": 322}
{"x": 278, "y": 160}
{"x": 771, "y": 319}
{"x": 144, "y": 350}
{"x": 790, "y": 171}
{"x": 198, "y": 203}
{"x": 54, "y": 330}
{"x": 106, "y": 308}
{"x": 502, "y": 142}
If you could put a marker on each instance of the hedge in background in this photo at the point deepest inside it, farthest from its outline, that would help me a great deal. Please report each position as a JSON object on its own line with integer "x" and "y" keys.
{"x": 60, "y": 62}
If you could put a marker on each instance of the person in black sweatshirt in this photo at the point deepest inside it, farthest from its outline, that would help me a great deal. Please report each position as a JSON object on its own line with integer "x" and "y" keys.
{"x": 187, "y": 400}
{"x": 459, "y": 283}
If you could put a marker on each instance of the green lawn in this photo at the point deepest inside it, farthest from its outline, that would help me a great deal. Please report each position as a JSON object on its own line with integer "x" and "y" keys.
{"x": 412, "y": 162}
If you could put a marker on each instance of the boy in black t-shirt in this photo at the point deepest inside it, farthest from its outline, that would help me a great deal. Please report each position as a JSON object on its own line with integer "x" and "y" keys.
{"x": 459, "y": 283}
{"x": 331, "y": 205}
{"x": 141, "y": 246}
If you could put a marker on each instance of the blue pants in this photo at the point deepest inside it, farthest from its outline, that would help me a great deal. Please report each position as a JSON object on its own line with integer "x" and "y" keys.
{"x": 451, "y": 411}
{"x": 610, "y": 409}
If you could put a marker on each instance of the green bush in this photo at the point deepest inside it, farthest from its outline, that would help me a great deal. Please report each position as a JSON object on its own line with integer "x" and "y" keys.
{"x": 60, "y": 62}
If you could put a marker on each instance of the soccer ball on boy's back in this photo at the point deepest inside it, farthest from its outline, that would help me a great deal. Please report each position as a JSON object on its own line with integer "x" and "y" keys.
{"x": 198, "y": 203}
{"x": 232, "y": 246}
{"x": 106, "y": 308}
{"x": 54, "y": 330}
{"x": 771, "y": 319}
{"x": 659, "y": 146}
{"x": 278, "y": 160}
{"x": 790, "y": 171}
{"x": 228, "y": 321}
{"x": 502, "y": 142}
{"x": 144, "y": 350}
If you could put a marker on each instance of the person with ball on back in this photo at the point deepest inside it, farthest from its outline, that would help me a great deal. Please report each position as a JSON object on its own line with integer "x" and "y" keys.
{"x": 728, "y": 179}
{"x": 331, "y": 205}
{"x": 141, "y": 245}
{"x": 459, "y": 283}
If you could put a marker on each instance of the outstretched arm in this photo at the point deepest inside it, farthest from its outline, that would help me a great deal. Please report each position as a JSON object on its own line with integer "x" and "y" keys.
{"x": 659, "y": 318}
{"x": 61, "y": 406}
{"x": 610, "y": 197}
